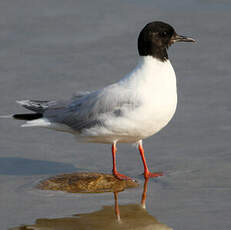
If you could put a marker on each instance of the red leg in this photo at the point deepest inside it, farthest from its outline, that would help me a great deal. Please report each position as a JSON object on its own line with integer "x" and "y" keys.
{"x": 147, "y": 173}
{"x": 114, "y": 170}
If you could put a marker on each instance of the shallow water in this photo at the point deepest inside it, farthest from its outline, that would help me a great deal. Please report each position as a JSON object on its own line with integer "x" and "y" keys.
{"x": 127, "y": 216}
{"x": 51, "y": 49}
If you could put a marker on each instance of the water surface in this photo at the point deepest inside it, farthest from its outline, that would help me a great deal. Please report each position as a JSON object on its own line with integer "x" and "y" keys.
{"x": 51, "y": 49}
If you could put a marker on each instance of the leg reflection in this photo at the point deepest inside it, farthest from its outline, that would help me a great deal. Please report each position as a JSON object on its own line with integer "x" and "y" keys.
{"x": 144, "y": 194}
{"x": 117, "y": 210}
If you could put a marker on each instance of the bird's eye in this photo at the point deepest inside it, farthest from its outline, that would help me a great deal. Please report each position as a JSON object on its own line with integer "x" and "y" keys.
{"x": 163, "y": 34}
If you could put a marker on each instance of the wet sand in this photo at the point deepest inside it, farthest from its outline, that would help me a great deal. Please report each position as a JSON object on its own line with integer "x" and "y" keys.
{"x": 51, "y": 49}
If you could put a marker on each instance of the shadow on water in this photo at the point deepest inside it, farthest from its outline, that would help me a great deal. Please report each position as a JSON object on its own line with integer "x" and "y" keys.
{"x": 22, "y": 166}
{"x": 130, "y": 216}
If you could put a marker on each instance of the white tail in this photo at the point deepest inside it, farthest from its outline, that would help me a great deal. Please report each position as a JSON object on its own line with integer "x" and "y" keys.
{"x": 38, "y": 122}
{"x": 7, "y": 116}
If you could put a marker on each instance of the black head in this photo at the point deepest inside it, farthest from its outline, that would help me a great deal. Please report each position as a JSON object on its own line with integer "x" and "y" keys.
{"x": 156, "y": 37}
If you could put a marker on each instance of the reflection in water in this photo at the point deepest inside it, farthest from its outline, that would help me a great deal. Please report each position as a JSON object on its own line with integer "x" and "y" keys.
{"x": 131, "y": 216}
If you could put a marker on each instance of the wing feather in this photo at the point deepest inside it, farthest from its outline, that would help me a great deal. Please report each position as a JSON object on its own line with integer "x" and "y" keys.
{"x": 93, "y": 109}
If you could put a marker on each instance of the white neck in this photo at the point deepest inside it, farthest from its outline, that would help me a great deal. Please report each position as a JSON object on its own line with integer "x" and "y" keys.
{"x": 150, "y": 70}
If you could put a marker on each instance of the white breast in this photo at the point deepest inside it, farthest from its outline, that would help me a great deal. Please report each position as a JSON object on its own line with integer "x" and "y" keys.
{"x": 158, "y": 92}
{"x": 153, "y": 82}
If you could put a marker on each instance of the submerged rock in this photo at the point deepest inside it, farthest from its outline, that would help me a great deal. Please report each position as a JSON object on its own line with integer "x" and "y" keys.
{"x": 86, "y": 183}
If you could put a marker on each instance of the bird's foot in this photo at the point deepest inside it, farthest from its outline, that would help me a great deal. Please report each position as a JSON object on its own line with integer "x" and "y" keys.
{"x": 148, "y": 175}
{"x": 121, "y": 176}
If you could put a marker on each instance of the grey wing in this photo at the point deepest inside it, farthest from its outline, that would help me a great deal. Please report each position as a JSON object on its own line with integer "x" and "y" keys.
{"x": 75, "y": 113}
{"x": 41, "y": 106}
{"x": 93, "y": 109}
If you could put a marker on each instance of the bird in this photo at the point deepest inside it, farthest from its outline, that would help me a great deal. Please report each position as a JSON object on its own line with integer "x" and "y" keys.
{"x": 132, "y": 109}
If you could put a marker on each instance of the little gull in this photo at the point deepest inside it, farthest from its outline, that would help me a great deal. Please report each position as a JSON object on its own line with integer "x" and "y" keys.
{"x": 128, "y": 111}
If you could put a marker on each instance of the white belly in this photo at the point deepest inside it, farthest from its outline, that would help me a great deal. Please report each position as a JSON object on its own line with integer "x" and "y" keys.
{"x": 133, "y": 128}
{"x": 147, "y": 120}
{"x": 159, "y": 115}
